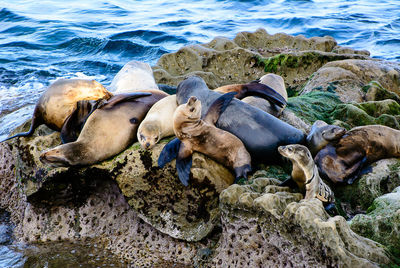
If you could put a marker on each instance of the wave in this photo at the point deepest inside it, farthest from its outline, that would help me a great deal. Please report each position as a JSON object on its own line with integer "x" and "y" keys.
{"x": 9, "y": 16}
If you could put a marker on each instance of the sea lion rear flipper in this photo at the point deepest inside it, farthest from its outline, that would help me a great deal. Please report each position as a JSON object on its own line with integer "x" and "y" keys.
{"x": 75, "y": 122}
{"x": 122, "y": 98}
{"x": 218, "y": 107}
{"x": 263, "y": 91}
{"x": 37, "y": 120}
{"x": 169, "y": 152}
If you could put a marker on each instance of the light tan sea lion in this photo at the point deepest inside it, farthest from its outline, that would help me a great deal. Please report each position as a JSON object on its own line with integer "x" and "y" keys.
{"x": 272, "y": 81}
{"x": 158, "y": 122}
{"x": 202, "y": 136}
{"x": 321, "y": 134}
{"x": 60, "y": 99}
{"x": 305, "y": 173}
{"x": 134, "y": 76}
{"x": 343, "y": 160}
{"x": 108, "y": 131}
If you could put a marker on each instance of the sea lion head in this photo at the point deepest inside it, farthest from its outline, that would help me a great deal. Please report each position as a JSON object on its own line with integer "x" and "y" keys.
{"x": 192, "y": 109}
{"x": 64, "y": 155}
{"x": 296, "y": 153}
{"x": 149, "y": 134}
{"x": 333, "y": 132}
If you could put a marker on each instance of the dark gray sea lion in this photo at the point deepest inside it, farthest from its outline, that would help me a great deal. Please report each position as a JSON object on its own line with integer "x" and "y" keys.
{"x": 321, "y": 134}
{"x": 60, "y": 99}
{"x": 108, "y": 131}
{"x": 305, "y": 173}
{"x": 343, "y": 160}
{"x": 260, "y": 132}
{"x": 202, "y": 136}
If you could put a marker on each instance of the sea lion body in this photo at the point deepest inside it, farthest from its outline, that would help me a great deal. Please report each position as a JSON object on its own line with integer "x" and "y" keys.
{"x": 260, "y": 132}
{"x": 158, "y": 122}
{"x": 202, "y": 136}
{"x": 134, "y": 76}
{"x": 321, "y": 134}
{"x": 361, "y": 145}
{"x": 60, "y": 99}
{"x": 107, "y": 132}
{"x": 305, "y": 173}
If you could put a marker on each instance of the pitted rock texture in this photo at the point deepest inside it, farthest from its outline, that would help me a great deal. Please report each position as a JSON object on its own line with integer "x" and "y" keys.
{"x": 348, "y": 77}
{"x": 249, "y": 56}
{"x": 382, "y": 222}
{"x": 104, "y": 217}
{"x": 265, "y": 225}
{"x": 188, "y": 213}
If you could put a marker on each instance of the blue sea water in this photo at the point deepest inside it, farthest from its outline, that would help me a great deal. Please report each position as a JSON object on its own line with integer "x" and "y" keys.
{"x": 41, "y": 41}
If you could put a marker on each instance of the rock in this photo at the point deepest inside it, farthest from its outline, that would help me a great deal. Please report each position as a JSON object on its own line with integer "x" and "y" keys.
{"x": 347, "y": 78}
{"x": 248, "y": 56}
{"x": 271, "y": 227}
{"x": 188, "y": 213}
{"x": 381, "y": 178}
{"x": 375, "y": 92}
{"x": 382, "y": 222}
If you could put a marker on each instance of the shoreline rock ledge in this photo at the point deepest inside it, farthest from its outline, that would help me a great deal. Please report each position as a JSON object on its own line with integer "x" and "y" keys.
{"x": 143, "y": 214}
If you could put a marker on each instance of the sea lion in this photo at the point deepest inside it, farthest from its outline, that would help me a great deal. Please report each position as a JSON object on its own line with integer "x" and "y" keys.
{"x": 158, "y": 122}
{"x": 321, "y": 134}
{"x": 260, "y": 132}
{"x": 60, "y": 99}
{"x": 108, "y": 131}
{"x": 305, "y": 173}
{"x": 343, "y": 160}
{"x": 202, "y": 136}
{"x": 134, "y": 76}
{"x": 271, "y": 81}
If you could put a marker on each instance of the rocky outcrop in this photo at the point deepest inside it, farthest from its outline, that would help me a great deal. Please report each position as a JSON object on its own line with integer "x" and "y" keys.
{"x": 155, "y": 194}
{"x": 249, "y": 55}
{"x": 348, "y": 77}
{"x": 382, "y": 222}
{"x": 267, "y": 225}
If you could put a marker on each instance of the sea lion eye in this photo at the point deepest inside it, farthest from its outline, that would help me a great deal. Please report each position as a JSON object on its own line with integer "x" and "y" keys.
{"x": 191, "y": 109}
{"x": 156, "y": 138}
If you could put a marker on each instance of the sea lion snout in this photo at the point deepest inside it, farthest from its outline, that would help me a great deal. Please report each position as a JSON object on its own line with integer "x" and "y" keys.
{"x": 54, "y": 158}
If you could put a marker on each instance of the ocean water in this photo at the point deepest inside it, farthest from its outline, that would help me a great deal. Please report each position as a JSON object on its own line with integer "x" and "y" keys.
{"x": 41, "y": 41}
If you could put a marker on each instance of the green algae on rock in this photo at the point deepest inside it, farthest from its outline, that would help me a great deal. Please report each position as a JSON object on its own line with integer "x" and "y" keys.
{"x": 382, "y": 222}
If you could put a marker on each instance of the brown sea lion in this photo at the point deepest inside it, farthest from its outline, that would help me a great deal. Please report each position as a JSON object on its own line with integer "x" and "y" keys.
{"x": 305, "y": 173}
{"x": 202, "y": 136}
{"x": 108, "y": 131}
{"x": 321, "y": 134}
{"x": 343, "y": 160}
{"x": 60, "y": 99}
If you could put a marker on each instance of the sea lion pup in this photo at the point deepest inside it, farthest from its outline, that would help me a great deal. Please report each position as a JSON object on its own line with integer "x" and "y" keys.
{"x": 108, "y": 131}
{"x": 158, "y": 122}
{"x": 321, "y": 134}
{"x": 60, "y": 99}
{"x": 202, "y": 136}
{"x": 305, "y": 173}
{"x": 260, "y": 132}
{"x": 343, "y": 160}
{"x": 269, "y": 82}
{"x": 134, "y": 76}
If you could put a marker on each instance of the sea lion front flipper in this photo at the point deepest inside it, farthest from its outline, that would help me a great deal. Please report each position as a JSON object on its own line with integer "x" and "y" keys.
{"x": 74, "y": 123}
{"x": 184, "y": 163}
{"x": 357, "y": 171}
{"x": 289, "y": 183}
{"x": 262, "y": 91}
{"x": 241, "y": 172}
{"x": 169, "y": 152}
{"x": 122, "y": 98}
{"x": 218, "y": 107}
